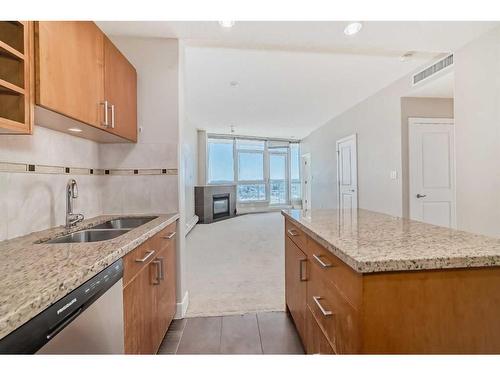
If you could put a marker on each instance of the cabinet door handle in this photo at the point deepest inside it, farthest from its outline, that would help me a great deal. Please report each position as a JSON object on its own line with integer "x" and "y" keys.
{"x": 162, "y": 268}
{"x": 169, "y": 236}
{"x": 158, "y": 271}
{"x": 321, "y": 263}
{"x": 146, "y": 257}
{"x": 105, "y": 104}
{"x": 292, "y": 232}
{"x": 303, "y": 275}
{"x": 323, "y": 311}
{"x": 112, "y": 116}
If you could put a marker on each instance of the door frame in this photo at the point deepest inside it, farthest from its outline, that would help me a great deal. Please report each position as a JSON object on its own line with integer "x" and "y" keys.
{"x": 412, "y": 123}
{"x": 353, "y": 137}
{"x": 303, "y": 185}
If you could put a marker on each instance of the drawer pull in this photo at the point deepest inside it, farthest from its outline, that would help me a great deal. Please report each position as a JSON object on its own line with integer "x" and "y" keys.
{"x": 293, "y": 232}
{"x": 146, "y": 257}
{"x": 303, "y": 275}
{"x": 321, "y": 263}
{"x": 325, "y": 312}
{"x": 158, "y": 272}
{"x": 169, "y": 236}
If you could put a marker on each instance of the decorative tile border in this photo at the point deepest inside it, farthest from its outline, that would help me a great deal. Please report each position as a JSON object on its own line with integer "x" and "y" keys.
{"x": 54, "y": 169}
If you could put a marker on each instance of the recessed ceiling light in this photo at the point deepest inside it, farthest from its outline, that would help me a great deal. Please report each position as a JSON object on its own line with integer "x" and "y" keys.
{"x": 234, "y": 83}
{"x": 75, "y": 130}
{"x": 353, "y": 28}
{"x": 226, "y": 24}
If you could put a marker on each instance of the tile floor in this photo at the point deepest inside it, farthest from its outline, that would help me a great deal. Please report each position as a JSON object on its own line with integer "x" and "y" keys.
{"x": 256, "y": 333}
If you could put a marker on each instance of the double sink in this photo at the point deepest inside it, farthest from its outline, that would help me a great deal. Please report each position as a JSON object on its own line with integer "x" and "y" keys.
{"x": 104, "y": 231}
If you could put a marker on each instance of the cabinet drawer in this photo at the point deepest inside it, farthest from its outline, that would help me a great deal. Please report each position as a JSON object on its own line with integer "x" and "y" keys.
{"x": 166, "y": 237}
{"x": 295, "y": 234}
{"x": 138, "y": 258}
{"x": 347, "y": 281}
{"x": 337, "y": 318}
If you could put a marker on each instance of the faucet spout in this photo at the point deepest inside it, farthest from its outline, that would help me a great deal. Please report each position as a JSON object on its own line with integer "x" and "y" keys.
{"x": 71, "y": 194}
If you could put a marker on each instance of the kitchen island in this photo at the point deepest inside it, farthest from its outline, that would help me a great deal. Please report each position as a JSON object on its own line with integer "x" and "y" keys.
{"x": 364, "y": 282}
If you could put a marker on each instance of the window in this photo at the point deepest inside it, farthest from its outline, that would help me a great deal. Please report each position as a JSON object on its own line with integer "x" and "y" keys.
{"x": 264, "y": 170}
{"x": 251, "y": 183}
{"x": 278, "y": 176}
{"x": 220, "y": 161}
{"x": 295, "y": 193}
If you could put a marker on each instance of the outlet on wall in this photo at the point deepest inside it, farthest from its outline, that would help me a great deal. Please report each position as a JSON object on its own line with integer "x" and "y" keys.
{"x": 394, "y": 175}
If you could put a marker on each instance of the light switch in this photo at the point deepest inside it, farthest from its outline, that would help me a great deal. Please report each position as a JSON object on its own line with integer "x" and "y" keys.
{"x": 394, "y": 175}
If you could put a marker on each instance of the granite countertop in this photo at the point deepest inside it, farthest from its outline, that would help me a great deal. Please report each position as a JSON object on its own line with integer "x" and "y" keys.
{"x": 35, "y": 275}
{"x": 373, "y": 242}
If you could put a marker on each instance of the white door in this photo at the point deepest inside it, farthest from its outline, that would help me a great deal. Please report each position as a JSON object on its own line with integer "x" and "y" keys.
{"x": 347, "y": 172}
{"x": 306, "y": 181}
{"x": 432, "y": 171}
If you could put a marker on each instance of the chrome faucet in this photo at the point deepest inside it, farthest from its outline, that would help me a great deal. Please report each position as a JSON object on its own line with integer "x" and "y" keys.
{"x": 71, "y": 193}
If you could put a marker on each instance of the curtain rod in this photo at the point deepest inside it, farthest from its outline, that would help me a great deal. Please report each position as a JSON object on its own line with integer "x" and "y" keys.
{"x": 250, "y": 137}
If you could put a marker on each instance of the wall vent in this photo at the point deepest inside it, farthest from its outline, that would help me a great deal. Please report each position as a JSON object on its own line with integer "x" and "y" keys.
{"x": 433, "y": 69}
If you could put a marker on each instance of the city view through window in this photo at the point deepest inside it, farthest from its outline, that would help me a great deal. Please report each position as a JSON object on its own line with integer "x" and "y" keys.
{"x": 264, "y": 171}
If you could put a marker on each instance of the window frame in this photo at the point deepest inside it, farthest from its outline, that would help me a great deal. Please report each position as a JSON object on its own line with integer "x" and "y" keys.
{"x": 266, "y": 181}
{"x": 250, "y": 182}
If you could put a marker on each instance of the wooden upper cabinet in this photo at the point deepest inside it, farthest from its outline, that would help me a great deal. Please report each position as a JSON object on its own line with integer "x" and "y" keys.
{"x": 120, "y": 92}
{"x": 70, "y": 69}
{"x": 80, "y": 74}
{"x": 16, "y": 77}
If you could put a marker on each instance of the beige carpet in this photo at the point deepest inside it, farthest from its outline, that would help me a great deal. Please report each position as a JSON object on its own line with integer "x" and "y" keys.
{"x": 236, "y": 266}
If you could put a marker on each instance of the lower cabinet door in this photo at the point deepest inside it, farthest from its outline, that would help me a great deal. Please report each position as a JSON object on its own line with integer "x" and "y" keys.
{"x": 316, "y": 342}
{"x": 296, "y": 285}
{"x": 164, "y": 293}
{"x": 139, "y": 312}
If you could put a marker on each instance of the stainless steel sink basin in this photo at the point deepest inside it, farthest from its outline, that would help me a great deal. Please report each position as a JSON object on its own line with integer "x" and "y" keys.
{"x": 125, "y": 223}
{"x": 89, "y": 236}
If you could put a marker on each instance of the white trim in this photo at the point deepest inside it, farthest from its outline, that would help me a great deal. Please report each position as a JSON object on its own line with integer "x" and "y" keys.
{"x": 191, "y": 223}
{"x": 430, "y": 120}
{"x": 181, "y": 307}
{"x": 302, "y": 184}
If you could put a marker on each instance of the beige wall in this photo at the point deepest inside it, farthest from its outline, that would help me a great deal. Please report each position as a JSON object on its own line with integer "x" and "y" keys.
{"x": 377, "y": 122}
{"x": 477, "y": 124}
{"x": 418, "y": 107}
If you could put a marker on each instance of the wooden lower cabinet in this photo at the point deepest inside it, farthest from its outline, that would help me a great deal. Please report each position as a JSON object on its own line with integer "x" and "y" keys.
{"x": 164, "y": 291}
{"x": 295, "y": 285}
{"x": 337, "y": 310}
{"x": 149, "y": 293}
{"x": 139, "y": 313}
{"x": 316, "y": 342}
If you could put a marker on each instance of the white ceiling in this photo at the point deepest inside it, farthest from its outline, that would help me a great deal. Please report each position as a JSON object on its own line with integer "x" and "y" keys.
{"x": 294, "y": 76}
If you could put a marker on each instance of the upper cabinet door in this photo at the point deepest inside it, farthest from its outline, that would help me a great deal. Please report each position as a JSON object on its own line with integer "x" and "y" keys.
{"x": 69, "y": 69}
{"x": 120, "y": 92}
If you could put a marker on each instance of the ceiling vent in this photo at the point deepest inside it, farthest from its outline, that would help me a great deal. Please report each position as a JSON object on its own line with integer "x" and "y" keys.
{"x": 433, "y": 69}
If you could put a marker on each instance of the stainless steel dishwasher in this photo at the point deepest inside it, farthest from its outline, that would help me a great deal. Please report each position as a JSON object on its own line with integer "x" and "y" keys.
{"x": 89, "y": 320}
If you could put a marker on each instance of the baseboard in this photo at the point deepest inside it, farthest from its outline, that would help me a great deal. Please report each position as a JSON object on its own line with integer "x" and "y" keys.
{"x": 181, "y": 308}
{"x": 191, "y": 223}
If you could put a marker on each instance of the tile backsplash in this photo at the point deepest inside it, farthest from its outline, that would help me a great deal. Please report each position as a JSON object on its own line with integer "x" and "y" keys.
{"x": 33, "y": 198}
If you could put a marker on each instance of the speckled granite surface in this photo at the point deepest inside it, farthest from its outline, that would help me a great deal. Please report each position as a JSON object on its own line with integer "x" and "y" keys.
{"x": 373, "y": 242}
{"x": 33, "y": 276}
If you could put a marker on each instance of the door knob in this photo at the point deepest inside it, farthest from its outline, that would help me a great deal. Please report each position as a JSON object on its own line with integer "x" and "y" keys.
{"x": 421, "y": 195}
